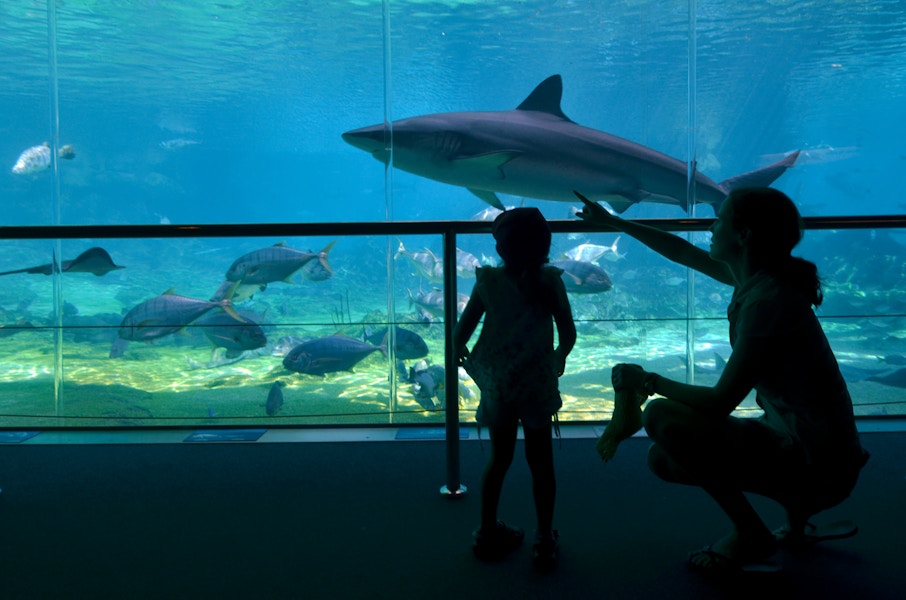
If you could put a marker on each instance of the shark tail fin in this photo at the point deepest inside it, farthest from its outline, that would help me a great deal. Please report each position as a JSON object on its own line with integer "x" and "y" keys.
{"x": 762, "y": 177}
{"x": 399, "y": 251}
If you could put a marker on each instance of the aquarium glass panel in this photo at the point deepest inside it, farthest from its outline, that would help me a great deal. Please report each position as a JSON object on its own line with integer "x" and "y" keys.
{"x": 376, "y": 111}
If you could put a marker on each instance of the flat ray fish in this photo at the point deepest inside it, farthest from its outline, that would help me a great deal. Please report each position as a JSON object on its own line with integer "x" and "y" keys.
{"x": 94, "y": 260}
{"x": 895, "y": 379}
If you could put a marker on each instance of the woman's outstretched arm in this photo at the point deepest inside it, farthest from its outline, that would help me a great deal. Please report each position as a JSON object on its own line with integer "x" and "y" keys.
{"x": 666, "y": 244}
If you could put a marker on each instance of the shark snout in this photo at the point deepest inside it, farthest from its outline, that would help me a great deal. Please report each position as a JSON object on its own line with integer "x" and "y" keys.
{"x": 369, "y": 139}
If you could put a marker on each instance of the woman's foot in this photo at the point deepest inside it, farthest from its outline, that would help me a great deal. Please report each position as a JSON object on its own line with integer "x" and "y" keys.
{"x": 736, "y": 552}
{"x": 626, "y": 420}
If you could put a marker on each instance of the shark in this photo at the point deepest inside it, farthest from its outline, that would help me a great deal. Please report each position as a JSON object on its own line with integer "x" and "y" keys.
{"x": 536, "y": 151}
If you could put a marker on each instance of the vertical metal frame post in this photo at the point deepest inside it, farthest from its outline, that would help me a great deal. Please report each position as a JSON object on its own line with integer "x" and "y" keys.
{"x": 453, "y": 487}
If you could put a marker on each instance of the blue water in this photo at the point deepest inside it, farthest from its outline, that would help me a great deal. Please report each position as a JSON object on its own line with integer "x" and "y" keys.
{"x": 231, "y": 112}
{"x": 267, "y": 88}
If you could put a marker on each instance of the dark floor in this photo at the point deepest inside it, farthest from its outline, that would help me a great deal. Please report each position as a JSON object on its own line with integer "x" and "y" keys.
{"x": 366, "y": 520}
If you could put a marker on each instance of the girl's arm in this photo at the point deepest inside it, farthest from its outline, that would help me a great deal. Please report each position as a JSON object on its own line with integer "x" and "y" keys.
{"x": 566, "y": 327}
{"x": 467, "y": 323}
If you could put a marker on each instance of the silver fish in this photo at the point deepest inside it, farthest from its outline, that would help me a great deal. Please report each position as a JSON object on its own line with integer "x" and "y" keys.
{"x": 177, "y": 143}
{"x": 592, "y": 252}
{"x": 274, "y": 263}
{"x": 426, "y": 263}
{"x": 165, "y": 314}
{"x": 583, "y": 277}
{"x": 234, "y": 335}
{"x": 466, "y": 264}
{"x": 407, "y": 344}
{"x": 37, "y": 158}
{"x": 431, "y": 304}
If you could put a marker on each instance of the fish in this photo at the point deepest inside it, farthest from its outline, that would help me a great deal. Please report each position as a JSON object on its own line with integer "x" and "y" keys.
{"x": 162, "y": 315}
{"x": 466, "y": 264}
{"x": 407, "y": 344}
{"x": 328, "y": 354}
{"x": 274, "y": 263}
{"x": 536, "y": 151}
{"x": 94, "y": 260}
{"x": 274, "y": 399}
{"x": 234, "y": 335}
{"x": 219, "y": 358}
{"x": 894, "y": 359}
{"x": 894, "y": 379}
{"x": 315, "y": 270}
{"x": 427, "y": 384}
{"x": 853, "y": 373}
{"x": 700, "y": 369}
{"x": 426, "y": 263}
{"x": 592, "y": 252}
{"x": 96, "y": 328}
{"x": 177, "y": 143}
{"x": 18, "y": 326}
{"x": 286, "y": 343}
{"x": 37, "y": 158}
{"x": 489, "y": 214}
{"x": 581, "y": 277}
{"x": 238, "y": 293}
{"x": 431, "y": 304}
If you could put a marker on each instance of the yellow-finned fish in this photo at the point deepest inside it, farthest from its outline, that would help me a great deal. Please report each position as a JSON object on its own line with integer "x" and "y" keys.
{"x": 37, "y": 158}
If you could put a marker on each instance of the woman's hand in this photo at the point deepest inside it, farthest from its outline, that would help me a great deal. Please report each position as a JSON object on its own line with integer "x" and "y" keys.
{"x": 595, "y": 213}
{"x": 628, "y": 376}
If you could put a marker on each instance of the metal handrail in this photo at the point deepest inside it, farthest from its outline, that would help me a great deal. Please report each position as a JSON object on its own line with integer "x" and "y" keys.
{"x": 448, "y": 229}
{"x": 208, "y": 230}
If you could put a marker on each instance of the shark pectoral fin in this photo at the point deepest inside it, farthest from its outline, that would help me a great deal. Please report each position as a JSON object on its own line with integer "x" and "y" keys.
{"x": 489, "y": 197}
{"x": 619, "y": 203}
{"x": 762, "y": 177}
{"x": 489, "y": 161}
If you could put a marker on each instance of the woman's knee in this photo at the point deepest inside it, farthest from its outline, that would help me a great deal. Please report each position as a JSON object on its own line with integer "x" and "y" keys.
{"x": 660, "y": 417}
{"x": 664, "y": 467}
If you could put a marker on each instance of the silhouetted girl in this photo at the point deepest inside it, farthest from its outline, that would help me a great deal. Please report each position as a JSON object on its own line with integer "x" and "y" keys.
{"x": 516, "y": 366}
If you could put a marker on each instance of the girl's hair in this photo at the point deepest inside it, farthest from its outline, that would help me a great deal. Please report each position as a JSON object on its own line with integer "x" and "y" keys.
{"x": 523, "y": 238}
{"x": 776, "y": 228}
{"x": 524, "y": 242}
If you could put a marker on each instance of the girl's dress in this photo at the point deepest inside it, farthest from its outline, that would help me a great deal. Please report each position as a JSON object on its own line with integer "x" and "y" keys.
{"x": 513, "y": 360}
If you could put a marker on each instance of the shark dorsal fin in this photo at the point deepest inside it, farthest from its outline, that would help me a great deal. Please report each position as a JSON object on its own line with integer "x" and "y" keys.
{"x": 546, "y": 98}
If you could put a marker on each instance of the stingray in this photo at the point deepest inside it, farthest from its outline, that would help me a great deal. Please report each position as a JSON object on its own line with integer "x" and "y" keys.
{"x": 94, "y": 260}
{"x": 895, "y": 379}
